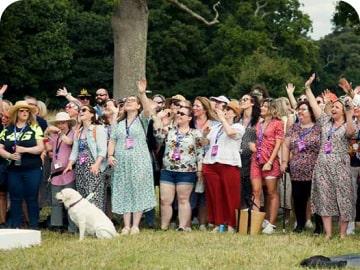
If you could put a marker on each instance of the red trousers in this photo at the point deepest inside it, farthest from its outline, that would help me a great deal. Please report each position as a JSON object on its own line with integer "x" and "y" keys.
{"x": 223, "y": 189}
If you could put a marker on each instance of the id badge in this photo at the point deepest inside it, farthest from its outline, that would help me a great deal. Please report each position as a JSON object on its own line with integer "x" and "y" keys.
{"x": 82, "y": 159}
{"x": 301, "y": 145}
{"x": 58, "y": 165}
{"x": 214, "y": 150}
{"x": 129, "y": 143}
{"x": 355, "y": 146}
{"x": 328, "y": 147}
{"x": 176, "y": 154}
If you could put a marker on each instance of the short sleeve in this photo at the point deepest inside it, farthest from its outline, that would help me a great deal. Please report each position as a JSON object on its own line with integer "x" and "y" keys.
{"x": 240, "y": 130}
{"x": 39, "y": 135}
{"x": 2, "y": 136}
{"x": 279, "y": 130}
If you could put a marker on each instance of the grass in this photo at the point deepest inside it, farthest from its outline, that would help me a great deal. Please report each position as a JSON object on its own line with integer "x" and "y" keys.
{"x": 175, "y": 250}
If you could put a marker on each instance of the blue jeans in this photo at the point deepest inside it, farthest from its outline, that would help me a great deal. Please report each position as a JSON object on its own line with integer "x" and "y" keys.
{"x": 24, "y": 185}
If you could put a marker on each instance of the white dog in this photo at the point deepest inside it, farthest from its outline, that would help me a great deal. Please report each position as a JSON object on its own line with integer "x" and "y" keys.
{"x": 86, "y": 215}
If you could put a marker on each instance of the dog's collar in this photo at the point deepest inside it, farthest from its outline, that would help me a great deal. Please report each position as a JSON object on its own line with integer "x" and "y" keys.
{"x": 75, "y": 203}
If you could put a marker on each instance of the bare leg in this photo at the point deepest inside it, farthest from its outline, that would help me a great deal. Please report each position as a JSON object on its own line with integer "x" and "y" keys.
{"x": 167, "y": 194}
{"x": 327, "y": 226}
{"x": 136, "y": 219}
{"x": 127, "y": 220}
{"x": 183, "y": 194}
{"x": 343, "y": 227}
{"x": 256, "y": 191}
{"x": 273, "y": 199}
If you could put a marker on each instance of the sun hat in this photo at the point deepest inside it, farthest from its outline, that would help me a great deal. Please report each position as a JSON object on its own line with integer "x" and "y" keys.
{"x": 63, "y": 117}
{"x": 234, "y": 105}
{"x": 178, "y": 97}
{"x": 21, "y": 104}
{"x": 84, "y": 93}
{"x": 221, "y": 99}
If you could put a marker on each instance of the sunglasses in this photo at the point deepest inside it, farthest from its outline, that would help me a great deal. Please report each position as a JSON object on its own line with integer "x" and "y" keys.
{"x": 101, "y": 95}
{"x": 83, "y": 98}
{"x": 159, "y": 102}
{"x": 23, "y": 110}
{"x": 244, "y": 99}
{"x": 85, "y": 110}
{"x": 182, "y": 113}
{"x": 176, "y": 103}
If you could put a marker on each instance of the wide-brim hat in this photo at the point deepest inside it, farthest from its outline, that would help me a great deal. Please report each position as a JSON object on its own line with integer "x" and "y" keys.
{"x": 178, "y": 97}
{"x": 234, "y": 105}
{"x": 221, "y": 99}
{"x": 84, "y": 93}
{"x": 63, "y": 117}
{"x": 19, "y": 105}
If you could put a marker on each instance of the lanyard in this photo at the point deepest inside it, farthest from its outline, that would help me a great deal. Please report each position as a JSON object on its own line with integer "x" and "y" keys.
{"x": 219, "y": 133}
{"x": 306, "y": 132}
{"x": 332, "y": 130}
{"x": 21, "y": 132}
{"x": 57, "y": 147}
{"x": 128, "y": 127}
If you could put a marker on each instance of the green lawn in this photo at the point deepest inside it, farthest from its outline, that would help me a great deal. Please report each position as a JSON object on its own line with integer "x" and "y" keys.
{"x": 176, "y": 250}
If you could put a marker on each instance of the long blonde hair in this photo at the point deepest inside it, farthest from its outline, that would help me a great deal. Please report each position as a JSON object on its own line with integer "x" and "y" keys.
{"x": 280, "y": 104}
{"x": 31, "y": 120}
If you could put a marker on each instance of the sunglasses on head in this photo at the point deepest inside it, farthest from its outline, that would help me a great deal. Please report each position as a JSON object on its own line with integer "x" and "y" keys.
{"x": 182, "y": 113}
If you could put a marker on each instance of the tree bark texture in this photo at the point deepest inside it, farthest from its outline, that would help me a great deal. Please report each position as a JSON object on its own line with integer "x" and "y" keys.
{"x": 130, "y": 27}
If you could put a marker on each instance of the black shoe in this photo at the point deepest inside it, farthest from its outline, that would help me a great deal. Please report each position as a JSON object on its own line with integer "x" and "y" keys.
{"x": 318, "y": 231}
{"x": 58, "y": 229}
{"x": 180, "y": 229}
{"x": 298, "y": 229}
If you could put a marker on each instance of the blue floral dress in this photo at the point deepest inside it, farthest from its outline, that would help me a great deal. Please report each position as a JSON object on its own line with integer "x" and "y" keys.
{"x": 132, "y": 181}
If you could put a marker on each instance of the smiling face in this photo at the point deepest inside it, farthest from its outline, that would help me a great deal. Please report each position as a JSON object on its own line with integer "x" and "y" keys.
{"x": 198, "y": 108}
{"x": 86, "y": 114}
{"x": 101, "y": 96}
{"x": 337, "y": 110}
{"x": 264, "y": 109}
{"x": 304, "y": 114}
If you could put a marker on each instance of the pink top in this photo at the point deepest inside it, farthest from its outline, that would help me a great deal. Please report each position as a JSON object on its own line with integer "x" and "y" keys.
{"x": 61, "y": 154}
{"x": 266, "y": 140}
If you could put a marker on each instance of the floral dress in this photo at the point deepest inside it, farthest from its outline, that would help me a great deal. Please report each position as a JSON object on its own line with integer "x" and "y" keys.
{"x": 332, "y": 190}
{"x": 86, "y": 182}
{"x": 132, "y": 181}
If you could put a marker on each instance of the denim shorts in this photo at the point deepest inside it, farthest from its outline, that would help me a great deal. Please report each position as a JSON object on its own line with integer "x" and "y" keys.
{"x": 177, "y": 178}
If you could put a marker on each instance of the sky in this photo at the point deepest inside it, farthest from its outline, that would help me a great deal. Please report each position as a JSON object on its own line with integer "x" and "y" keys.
{"x": 320, "y": 12}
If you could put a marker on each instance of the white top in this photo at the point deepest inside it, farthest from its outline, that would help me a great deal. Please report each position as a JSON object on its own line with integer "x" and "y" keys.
{"x": 228, "y": 148}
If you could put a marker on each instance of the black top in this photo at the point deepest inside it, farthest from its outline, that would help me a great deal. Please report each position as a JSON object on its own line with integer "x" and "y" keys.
{"x": 42, "y": 123}
{"x": 26, "y": 138}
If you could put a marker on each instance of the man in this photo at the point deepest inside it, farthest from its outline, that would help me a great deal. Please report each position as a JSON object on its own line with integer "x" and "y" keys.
{"x": 73, "y": 110}
{"x": 84, "y": 97}
{"x": 102, "y": 95}
{"x": 219, "y": 102}
{"x": 33, "y": 103}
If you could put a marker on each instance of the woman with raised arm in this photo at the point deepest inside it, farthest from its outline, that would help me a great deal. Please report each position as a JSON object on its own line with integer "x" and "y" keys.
{"x": 132, "y": 183}
{"x": 332, "y": 190}
{"x": 265, "y": 167}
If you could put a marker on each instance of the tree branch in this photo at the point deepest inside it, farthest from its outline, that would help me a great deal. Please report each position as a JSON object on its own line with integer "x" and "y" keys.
{"x": 196, "y": 15}
{"x": 259, "y": 7}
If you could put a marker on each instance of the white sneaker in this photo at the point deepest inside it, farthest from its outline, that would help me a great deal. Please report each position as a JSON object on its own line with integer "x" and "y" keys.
{"x": 202, "y": 228}
{"x": 269, "y": 229}
{"x": 265, "y": 223}
{"x": 309, "y": 225}
{"x": 216, "y": 229}
{"x": 295, "y": 224}
{"x": 350, "y": 228}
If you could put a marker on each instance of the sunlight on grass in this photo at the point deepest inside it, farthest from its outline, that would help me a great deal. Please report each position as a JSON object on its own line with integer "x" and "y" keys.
{"x": 175, "y": 250}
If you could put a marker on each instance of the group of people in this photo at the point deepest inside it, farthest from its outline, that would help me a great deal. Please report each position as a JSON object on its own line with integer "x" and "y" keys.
{"x": 210, "y": 158}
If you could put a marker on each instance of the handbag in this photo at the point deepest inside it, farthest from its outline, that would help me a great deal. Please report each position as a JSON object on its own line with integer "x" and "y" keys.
{"x": 250, "y": 221}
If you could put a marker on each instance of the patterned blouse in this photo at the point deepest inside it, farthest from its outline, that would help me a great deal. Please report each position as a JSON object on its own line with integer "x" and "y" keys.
{"x": 302, "y": 162}
{"x": 182, "y": 151}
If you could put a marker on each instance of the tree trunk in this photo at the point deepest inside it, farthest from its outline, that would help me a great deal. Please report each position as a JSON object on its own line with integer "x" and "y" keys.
{"x": 130, "y": 27}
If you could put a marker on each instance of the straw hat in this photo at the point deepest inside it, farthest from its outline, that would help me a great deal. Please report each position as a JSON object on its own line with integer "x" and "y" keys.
{"x": 234, "y": 105}
{"x": 178, "y": 97}
{"x": 21, "y": 104}
{"x": 63, "y": 117}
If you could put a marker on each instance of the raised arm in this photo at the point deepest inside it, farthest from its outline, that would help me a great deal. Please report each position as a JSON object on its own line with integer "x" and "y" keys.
{"x": 290, "y": 89}
{"x": 63, "y": 92}
{"x": 2, "y": 91}
{"x": 146, "y": 103}
{"x": 349, "y": 111}
{"x": 311, "y": 98}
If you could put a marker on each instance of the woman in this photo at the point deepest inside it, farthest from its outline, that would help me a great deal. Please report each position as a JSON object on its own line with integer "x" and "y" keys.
{"x": 301, "y": 148}
{"x": 89, "y": 157}
{"x": 250, "y": 114}
{"x": 181, "y": 163}
{"x": 22, "y": 143}
{"x": 60, "y": 139}
{"x": 221, "y": 168}
{"x": 332, "y": 190}
{"x": 3, "y": 176}
{"x": 265, "y": 167}
{"x": 132, "y": 183}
